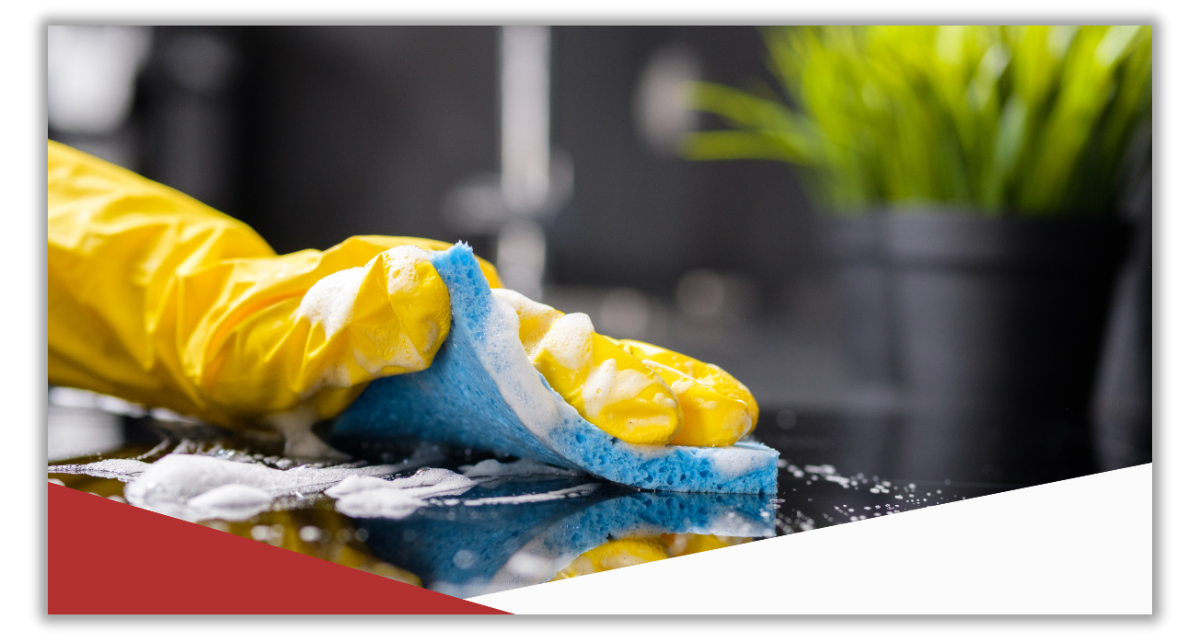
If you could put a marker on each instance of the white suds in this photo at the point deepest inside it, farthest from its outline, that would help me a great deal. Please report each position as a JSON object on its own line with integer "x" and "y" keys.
{"x": 735, "y": 461}
{"x": 681, "y": 385}
{"x": 526, "y": 564}
{"x": 121, "y": 469}
{"x": 299, "y": 440}
{"x": 524, "y": 307}
{"x": 424, "y": 483}
{"x": 379, "y": 503}
{"x": 739, "y": 421}
{"x": 523, "y": 467}
{"x": 569, "y": 341}
{"x": 377, "y": 498}
{"x": 402, "y": 273}
{"x": 734, "y": 524}
{"x": 355, "y": 484}
{"x": 334, "y": 376}
{"x": 523, "y": 388}
{"x": 845, "y": 482}
{"x": 403, "y": 280}
{"x": 536, "y": 317}
{"x": 183, "y": 485}
{"x": 330, "y": 302}
{"x": 605, "y": 385}
{"x": 570, "y": 492}
{"x": 231, "y": 502}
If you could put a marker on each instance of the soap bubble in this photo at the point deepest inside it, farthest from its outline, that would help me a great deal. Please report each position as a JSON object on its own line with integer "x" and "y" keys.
{"x": 464, "y": 559}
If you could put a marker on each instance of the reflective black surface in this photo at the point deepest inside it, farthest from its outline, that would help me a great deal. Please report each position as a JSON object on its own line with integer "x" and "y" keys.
{"x": 508, "y": 532}
{"x": 1014, "y": 452}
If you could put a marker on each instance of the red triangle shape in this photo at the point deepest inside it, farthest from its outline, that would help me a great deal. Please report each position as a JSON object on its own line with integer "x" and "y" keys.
{"x": 108, "y": 557}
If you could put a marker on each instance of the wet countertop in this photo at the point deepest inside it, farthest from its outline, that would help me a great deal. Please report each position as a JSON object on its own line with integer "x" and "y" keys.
{"x": 494, "y": 524}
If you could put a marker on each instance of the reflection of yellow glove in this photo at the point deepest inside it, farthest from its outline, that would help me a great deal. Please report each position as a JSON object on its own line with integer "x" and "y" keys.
{"x": 320, "y": 533}
{"x": 634, "y": 550}
{"x": 158, "y": 299}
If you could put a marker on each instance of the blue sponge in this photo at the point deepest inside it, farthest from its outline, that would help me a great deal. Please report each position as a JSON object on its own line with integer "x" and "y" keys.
{"x": 482, "y": 392}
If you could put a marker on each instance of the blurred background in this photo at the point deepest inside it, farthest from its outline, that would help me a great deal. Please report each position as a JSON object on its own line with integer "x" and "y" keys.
{"x": 570, "y": 157}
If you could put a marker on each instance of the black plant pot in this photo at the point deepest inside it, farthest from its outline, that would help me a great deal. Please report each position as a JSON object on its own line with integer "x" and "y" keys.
{"x": 999, "y": 320}
{"x": 861, "y": 282}
{"x": 989, "y": 330}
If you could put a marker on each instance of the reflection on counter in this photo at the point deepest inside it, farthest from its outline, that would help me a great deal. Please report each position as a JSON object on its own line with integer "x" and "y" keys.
{"x": 487, "y": 542}
{"x": 631, "y": 551}
{"x": 465, "y": 523}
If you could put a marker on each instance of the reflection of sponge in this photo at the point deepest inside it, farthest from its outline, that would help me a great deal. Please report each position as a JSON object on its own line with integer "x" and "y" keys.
{"x": 482, "y": 392}
{"x": 468, "y": 550}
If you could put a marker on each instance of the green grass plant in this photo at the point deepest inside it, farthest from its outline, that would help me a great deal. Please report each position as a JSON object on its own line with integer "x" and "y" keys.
{"x": 1029, "y": 121}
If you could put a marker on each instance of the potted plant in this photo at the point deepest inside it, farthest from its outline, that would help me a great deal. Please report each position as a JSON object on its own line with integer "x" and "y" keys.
{"x": 976, "y": 171}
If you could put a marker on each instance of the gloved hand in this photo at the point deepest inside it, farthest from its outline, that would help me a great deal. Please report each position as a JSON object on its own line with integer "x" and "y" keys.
{"x": 161, "y": 300}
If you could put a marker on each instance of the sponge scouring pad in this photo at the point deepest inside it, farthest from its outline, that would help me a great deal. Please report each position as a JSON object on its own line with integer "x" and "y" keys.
{"x": 482, "y": 392}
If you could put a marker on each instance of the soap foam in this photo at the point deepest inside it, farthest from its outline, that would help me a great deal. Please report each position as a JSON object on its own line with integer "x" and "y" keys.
{"x": 525, "y": 391}
{"x": 520, "y": 468}
{"x": 569, "y": 341}
{"x": 524, "y": 307}
{"x": 569, "y": 492}
{"x": 120, "y": 469}
{"x": 680, "y": 386}
{"x": 735, "y": 465}
{"x": 541, "y": 317}
{"x": 739, "y": 421}
{"x": 605, "y": 385}
{"x": 171, "y": 484}
{"x": 299, "y": 440}
{"x": 355, "y": 484}
{"x": 379, "y": 503}
{"x": 400, "y": 349}
{"x": 401, "y": 264}
{"x": 425, "y": 482}
{"x": 329, "y": 303}
{"x": 361, "y": 497}
{"x": 232, "y": 502}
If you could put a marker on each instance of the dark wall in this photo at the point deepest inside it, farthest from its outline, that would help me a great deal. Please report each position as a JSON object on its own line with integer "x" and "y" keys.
{"x": 361, "y": 130}
{"x": 313, "y": 134}
{"x": 642, "y": 219}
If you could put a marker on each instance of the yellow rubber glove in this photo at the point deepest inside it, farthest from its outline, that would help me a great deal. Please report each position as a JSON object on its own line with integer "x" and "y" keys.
{"x": 159, "y": 299}
{"x": 635, "y": 391}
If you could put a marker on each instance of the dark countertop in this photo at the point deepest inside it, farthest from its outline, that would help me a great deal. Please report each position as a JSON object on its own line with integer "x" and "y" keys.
{"x": 833, "y": 469}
